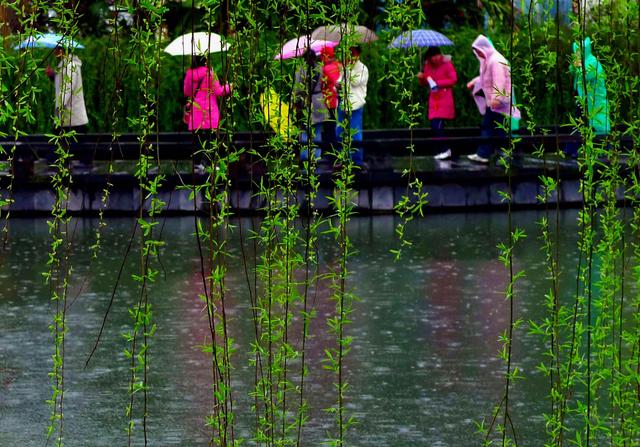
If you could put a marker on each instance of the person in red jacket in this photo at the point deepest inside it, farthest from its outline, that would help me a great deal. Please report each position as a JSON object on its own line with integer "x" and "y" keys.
{"x": 331, "y": 74}
{"x": 440, "y": 75}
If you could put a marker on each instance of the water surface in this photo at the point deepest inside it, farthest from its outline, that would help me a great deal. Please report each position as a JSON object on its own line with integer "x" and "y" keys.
{"x": 422, "y": 370}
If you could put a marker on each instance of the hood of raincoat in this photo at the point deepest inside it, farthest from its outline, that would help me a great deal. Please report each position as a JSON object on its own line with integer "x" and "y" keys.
{"x": 483, "y": 48}
{"x": 586, "y": 45}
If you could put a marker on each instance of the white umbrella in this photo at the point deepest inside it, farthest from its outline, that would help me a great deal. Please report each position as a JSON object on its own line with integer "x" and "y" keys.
{"x": 196, "y": 44}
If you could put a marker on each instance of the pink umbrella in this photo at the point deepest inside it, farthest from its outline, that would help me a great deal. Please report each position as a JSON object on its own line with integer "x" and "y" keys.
{"x": 297, "y": 47}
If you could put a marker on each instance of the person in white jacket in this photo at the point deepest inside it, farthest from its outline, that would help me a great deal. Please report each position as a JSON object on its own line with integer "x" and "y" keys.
{"x": 70, "y": 111}
{"x": 353, "y": 93}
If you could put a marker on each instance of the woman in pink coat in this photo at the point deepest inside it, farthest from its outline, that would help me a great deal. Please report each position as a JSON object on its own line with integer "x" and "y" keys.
{"x": 491, "y": 91}
{"x": 440, "y": 75}
{"x": 203, "y": 88}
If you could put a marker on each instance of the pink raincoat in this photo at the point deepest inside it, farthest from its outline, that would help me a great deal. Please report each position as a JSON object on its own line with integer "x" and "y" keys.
{"x": 493, "y": 87}
{"x": 201, "y": 85}
{"x": 331, "y": 75}
{"x": 441, "y": 105}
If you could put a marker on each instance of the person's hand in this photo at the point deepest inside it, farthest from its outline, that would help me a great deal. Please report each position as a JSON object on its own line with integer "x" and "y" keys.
{"x": 49, "y": 71}
{"x": 470, "y": 84}
{"x": 420, "y": 75}
{"x": 494, "y": 103}
{"x": 577, "y": 61}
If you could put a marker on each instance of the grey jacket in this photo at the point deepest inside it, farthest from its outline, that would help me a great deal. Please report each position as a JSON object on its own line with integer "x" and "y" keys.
{"x": 319, "y": 112}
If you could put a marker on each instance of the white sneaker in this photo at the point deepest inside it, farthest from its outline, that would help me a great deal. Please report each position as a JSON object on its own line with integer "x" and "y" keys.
{"x": 477, "y": 158}
{"x": 443, "y": 155}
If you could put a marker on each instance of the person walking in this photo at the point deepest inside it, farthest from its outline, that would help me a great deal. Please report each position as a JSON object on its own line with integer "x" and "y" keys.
{"x": 308, "y": 102}
{"x": 351, "y": 104}
{"x": 202, "y": 88}
{"x": 590, "y": 87}
{"x": 70, "y": 113}
{"x": 202, "y": 115}
{"x": 70, "y": 110}
{"x": 331, "y": 76}
{"x": 440, "y": 75}
{"x": 492, "y": 92}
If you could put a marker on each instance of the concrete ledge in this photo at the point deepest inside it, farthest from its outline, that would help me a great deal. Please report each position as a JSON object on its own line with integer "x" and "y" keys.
{"x": 22, "y": 200}
{"x": 44, "y": 200}
{"x": 364, "y": 199}
{"x": 122, "y": 200}
{"x": 383, "y": 199}
{"x": 453, "y": 195}
{"x": 375, "y": 199}
{"x": 525, "y": 193}
{"x": 477, "y": 195}
{"x": 434, "y": 195}
{"x": 495, "y": 190}
{"x": 78, "y": 200}
{"x": 570, "y": 191}
{"x": 241, "y": 199}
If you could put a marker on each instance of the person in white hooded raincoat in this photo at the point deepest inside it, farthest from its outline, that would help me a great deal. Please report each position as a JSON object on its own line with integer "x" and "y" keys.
{"x": 70, "y": 109}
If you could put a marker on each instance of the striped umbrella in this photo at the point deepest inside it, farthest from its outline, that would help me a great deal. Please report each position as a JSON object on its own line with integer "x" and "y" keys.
{"x": 420, "y": 38}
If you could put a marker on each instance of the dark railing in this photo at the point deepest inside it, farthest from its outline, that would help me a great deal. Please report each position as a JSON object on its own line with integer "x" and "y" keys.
{"x": 381, "y": 147}
{"x": 181, "y": 146}
{"x": 454, "y": 185}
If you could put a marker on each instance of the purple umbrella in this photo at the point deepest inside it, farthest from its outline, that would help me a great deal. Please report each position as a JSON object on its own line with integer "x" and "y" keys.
{"x": 420, "y": 38}
{"x": 297, "y": 47}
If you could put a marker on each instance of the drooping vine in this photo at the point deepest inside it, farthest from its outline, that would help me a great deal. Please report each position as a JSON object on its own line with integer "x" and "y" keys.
{"x": 17, "y": 73}
{"x": 145, "y": 61}
{"x": 404, "y": 17}
{"x": 590, "y": 328}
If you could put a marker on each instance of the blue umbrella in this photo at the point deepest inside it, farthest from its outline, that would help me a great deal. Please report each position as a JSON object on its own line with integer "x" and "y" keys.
{"x": 420, "y": 38}
{"x": 49, "y": 40}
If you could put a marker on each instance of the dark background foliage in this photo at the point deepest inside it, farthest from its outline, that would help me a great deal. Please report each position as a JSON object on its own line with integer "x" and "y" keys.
{"x": 104, "y": 75}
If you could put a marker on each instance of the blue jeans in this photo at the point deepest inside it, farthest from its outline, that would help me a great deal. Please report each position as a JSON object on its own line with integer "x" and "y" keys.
{"x": 355, "y": 129}
{"x": 317, "y": 138}
{"x": 490, "y": 127}
{"x": 325, "y": 132}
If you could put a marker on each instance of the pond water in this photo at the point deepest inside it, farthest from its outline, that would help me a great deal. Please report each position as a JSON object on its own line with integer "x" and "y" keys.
{"x": 422, "y": 371}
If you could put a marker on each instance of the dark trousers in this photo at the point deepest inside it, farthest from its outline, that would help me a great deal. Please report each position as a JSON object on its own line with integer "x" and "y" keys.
{"x": 329, "y": 128}
{"x": 490, "y": 127}
{"x": 571, "y": 149}
{"x": 324, "y": 132}
{"x": 437, "y": 130}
